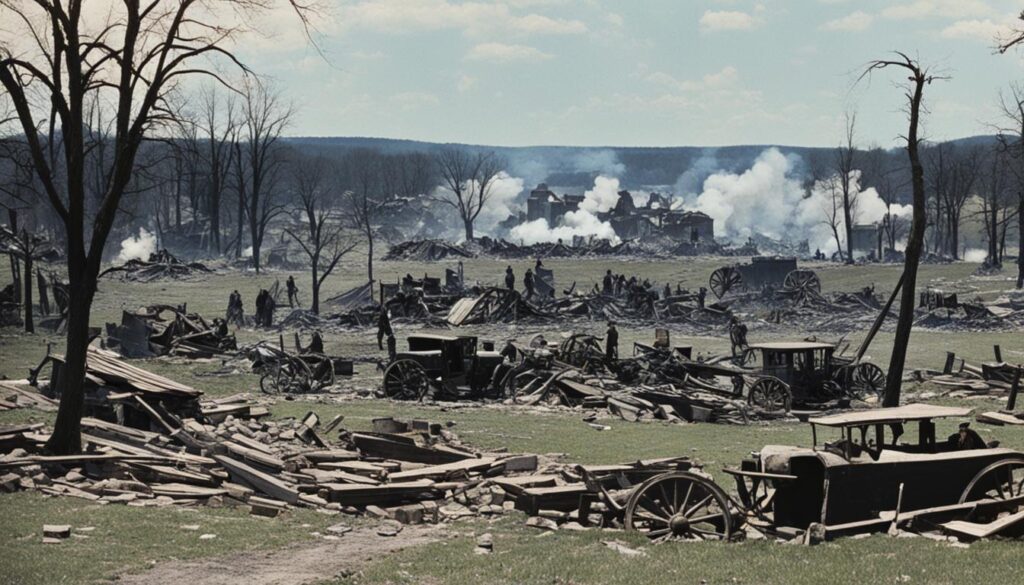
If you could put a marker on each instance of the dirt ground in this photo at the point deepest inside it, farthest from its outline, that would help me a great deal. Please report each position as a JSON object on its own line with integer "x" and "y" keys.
{"x": 294, "y": 565}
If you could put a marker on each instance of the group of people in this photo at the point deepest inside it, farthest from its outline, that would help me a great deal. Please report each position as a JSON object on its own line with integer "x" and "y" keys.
{"x": 265, "y": 305}
{"x": 529, "y": 279}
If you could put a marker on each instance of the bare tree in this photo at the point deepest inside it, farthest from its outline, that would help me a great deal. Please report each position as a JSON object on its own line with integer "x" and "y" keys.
{"x": 259, "y": 158}
{"x": 1015, "y": 37}
{"x": 845, "y": 168}
{"x": 919, "y": 77}
{"x": 370, "y": 178}
{"x": 217, "y": 124}
{"x": 887, "y": 177}
{"x": 468, "y": 180}
{"x": 131, "y": 60}
{"x": 323, "y": 240}
{"x": 1011, "y": 142}
{"x": 996, "y": 211}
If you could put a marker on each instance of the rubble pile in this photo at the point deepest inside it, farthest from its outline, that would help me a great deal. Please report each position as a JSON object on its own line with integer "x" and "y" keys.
{"x": 426, "y": 251}
{"x": 939, "y": 310}
{"x": 161, "y": 264}
{"x": 166, "y": 330}
{"x": 962, "y": 379}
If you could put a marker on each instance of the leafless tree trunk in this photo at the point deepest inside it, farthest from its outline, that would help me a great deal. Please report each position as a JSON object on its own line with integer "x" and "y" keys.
{"x": 1011, "y": 143}
{"x": 218, "y": 125}
{"x": 919, "y": 77}
{"x": 264, "y": 117}
{"x": 128, "y": 62}
{"x": 845, "y": 166}
{"x": 468, "y": 180}
{"x": 323, "y": 241}
{"x": 369, "y": 180}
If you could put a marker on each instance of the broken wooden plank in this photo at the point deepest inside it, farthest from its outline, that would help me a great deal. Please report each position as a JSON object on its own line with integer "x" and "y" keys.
{"x": 258, "y": 480}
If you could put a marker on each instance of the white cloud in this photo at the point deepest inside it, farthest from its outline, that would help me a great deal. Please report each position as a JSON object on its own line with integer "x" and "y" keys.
{"x": 952, "y": 9}
{"x": 725, "y": 78}
{"x": 477, "y": 19}
{"x": 413, "y": 100}
{"x": 502, "y": 53}
{"x": 713, "y": 20}
{"x": 985, "y": 31}
{"x": 851, "y": 22}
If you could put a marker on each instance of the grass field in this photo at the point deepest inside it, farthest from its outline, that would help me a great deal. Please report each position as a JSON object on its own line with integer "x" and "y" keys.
{"x": 127, "y": 539}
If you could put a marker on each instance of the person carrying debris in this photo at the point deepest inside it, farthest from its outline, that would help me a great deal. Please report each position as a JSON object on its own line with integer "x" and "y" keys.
{"x": 608, "y": 283}
{"x": 611, "y": 342}
{"x": 293, "y": 291}
{"x": 528, "y": 283}
{"x": 737, "y": 335}
{"x": 383, "y": 327}
{"x": 966, "y": 438}
{"x": 510, "y": 278}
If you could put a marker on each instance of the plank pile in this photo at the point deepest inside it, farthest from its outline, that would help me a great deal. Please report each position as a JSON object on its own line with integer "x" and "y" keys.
{"x": 161, "y": 265}
{"x": 162, "y": 329}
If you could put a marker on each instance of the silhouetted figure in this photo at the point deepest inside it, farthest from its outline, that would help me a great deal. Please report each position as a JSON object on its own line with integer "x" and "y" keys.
{"x": 611, "y": 342}
{"x": 608, "y": 283}
{"x": 293, "y": 291}
{"x": 383, "y": 327}
{"x": 528, "y": 283}
{"x": 510, "y": 279}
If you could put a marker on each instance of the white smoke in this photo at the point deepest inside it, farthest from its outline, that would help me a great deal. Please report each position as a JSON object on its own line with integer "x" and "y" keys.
{"x": 768, "y": 199}
{"x": 583, "y": 222}
{"x": 501, "y": 203}
{"x": 975, "y": 255}
{"x": 137, "y": 248}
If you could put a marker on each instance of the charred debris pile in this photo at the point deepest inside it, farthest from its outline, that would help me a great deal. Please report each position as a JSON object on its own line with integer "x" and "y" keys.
{"x": 160, "y": 265}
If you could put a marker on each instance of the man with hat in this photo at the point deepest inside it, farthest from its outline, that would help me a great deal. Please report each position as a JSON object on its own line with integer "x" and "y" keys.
{"x": 966, "y": 438}
{"x": 611, "y": 342}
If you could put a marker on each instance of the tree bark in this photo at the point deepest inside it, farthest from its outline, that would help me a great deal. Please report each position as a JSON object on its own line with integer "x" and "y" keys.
{"x": 27, "y": 297}
{"x": 1020, "y": 240}
{"x": 469, "y": 229}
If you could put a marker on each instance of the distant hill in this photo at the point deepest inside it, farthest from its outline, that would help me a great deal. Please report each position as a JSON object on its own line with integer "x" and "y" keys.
{"x": 574, "y": 167}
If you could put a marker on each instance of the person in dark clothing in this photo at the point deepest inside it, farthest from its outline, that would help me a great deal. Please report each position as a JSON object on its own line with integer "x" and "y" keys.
{"x": 528, "y": 283}
{"x": 737, "y": 336}
{"x": 510, "y": 279}
{"x": 383, "y": 327}
{"x": 701, "y": 295}
{"x": 611, "y": 342}
{"x": 261, "y": 306}
{"x": 539, "y": 265}
{"x": 293, "y": 291}
{"x": 268, "y": 311}
{"x": 966, "y": 438}
{"x": 667, "y": 292}
{"x": 392, "y": 347}
{"x": 620, "y": 284}
{"x": 608, "y": 283}
{"x": 509, "y": 352}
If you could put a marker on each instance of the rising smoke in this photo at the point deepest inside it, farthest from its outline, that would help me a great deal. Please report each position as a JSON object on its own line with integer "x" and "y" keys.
{"x": 583, "y": 222}
{"x": 137, "y": 248}
{"x": 770, "y": 200}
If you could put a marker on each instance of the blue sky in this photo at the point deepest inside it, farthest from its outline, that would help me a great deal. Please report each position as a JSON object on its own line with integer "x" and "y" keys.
{"x": 641, "y": 72}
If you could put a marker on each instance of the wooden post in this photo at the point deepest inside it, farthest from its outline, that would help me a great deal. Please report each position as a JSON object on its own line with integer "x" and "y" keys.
{"x": 948, "y": 368}
{"x": 998, "y": 351}
{"x": 1011, "y": 402}
{"x": 879, "y": 320}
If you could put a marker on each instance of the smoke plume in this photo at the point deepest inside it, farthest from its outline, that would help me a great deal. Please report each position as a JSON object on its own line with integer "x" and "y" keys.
{"x": 137, "y": 248}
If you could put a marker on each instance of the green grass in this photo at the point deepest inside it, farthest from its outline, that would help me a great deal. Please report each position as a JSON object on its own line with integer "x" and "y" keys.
{"x": 128, "y": 538}
{"x": 522, "y": 555}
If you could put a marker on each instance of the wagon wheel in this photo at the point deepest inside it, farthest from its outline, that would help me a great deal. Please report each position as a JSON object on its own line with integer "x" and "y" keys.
{"x": 405, "y": 380}
{"x": 770, "y": 394}
{"x": 321, "y": 373}
{"x": 579, "y": 349}
{"x": 724, "y": 279}
{"x": 270, "y": 378}
{"x": 802, "y": 280}
{"x": 866, "y": 381}
{"x": 516, "y": 381}
{"x": 1000, "y": 481}
{"x": 679, "y": 505}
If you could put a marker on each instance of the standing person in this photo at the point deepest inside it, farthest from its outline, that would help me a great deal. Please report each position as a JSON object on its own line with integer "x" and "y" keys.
{"x": 608, "y": 283}
{"x": 668, "y": 291}
{"x": 510, "y": 278}
{"x": 528, "y": 283}
{"x": 383, "y": 327}
{"x": 539, "y": 265}
{"x": 611, "y": 342}
{"x": 268, "y": 310}
{"x": 293, "y": 291}
{"x": 261, "y": 307}
{"x": 702, "y": 294}
{"x": 737, "y": 335}
{"x": 620, "y": 284}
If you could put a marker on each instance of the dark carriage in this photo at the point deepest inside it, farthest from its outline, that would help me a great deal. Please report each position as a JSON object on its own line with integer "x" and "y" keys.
{"x": 805, "y": 372}
{"x": 448, "y": 366}
{"x": 874, "y": 473}
{"x": 778, "y": 271}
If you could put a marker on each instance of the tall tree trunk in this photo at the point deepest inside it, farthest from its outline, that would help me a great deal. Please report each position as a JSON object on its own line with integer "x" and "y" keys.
{"x": 215, "y": 221}
{"x": 848, "y": 220}
{"x": 1020, "y": 240}
{"x": 369, "y": 257}
{"x": 27, "y": 299}
{"x": 469, "y": 229}
{"x": 241, "y": 222}
{"x": 915, "y": 243}
{"x": 315, "y": 287}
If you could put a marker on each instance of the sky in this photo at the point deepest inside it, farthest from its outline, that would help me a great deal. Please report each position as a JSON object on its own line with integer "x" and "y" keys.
{"x": 636, "y": 72}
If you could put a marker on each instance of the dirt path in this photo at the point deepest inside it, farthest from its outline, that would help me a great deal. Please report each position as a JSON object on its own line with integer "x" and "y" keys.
{"x": 296, "y": 565}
